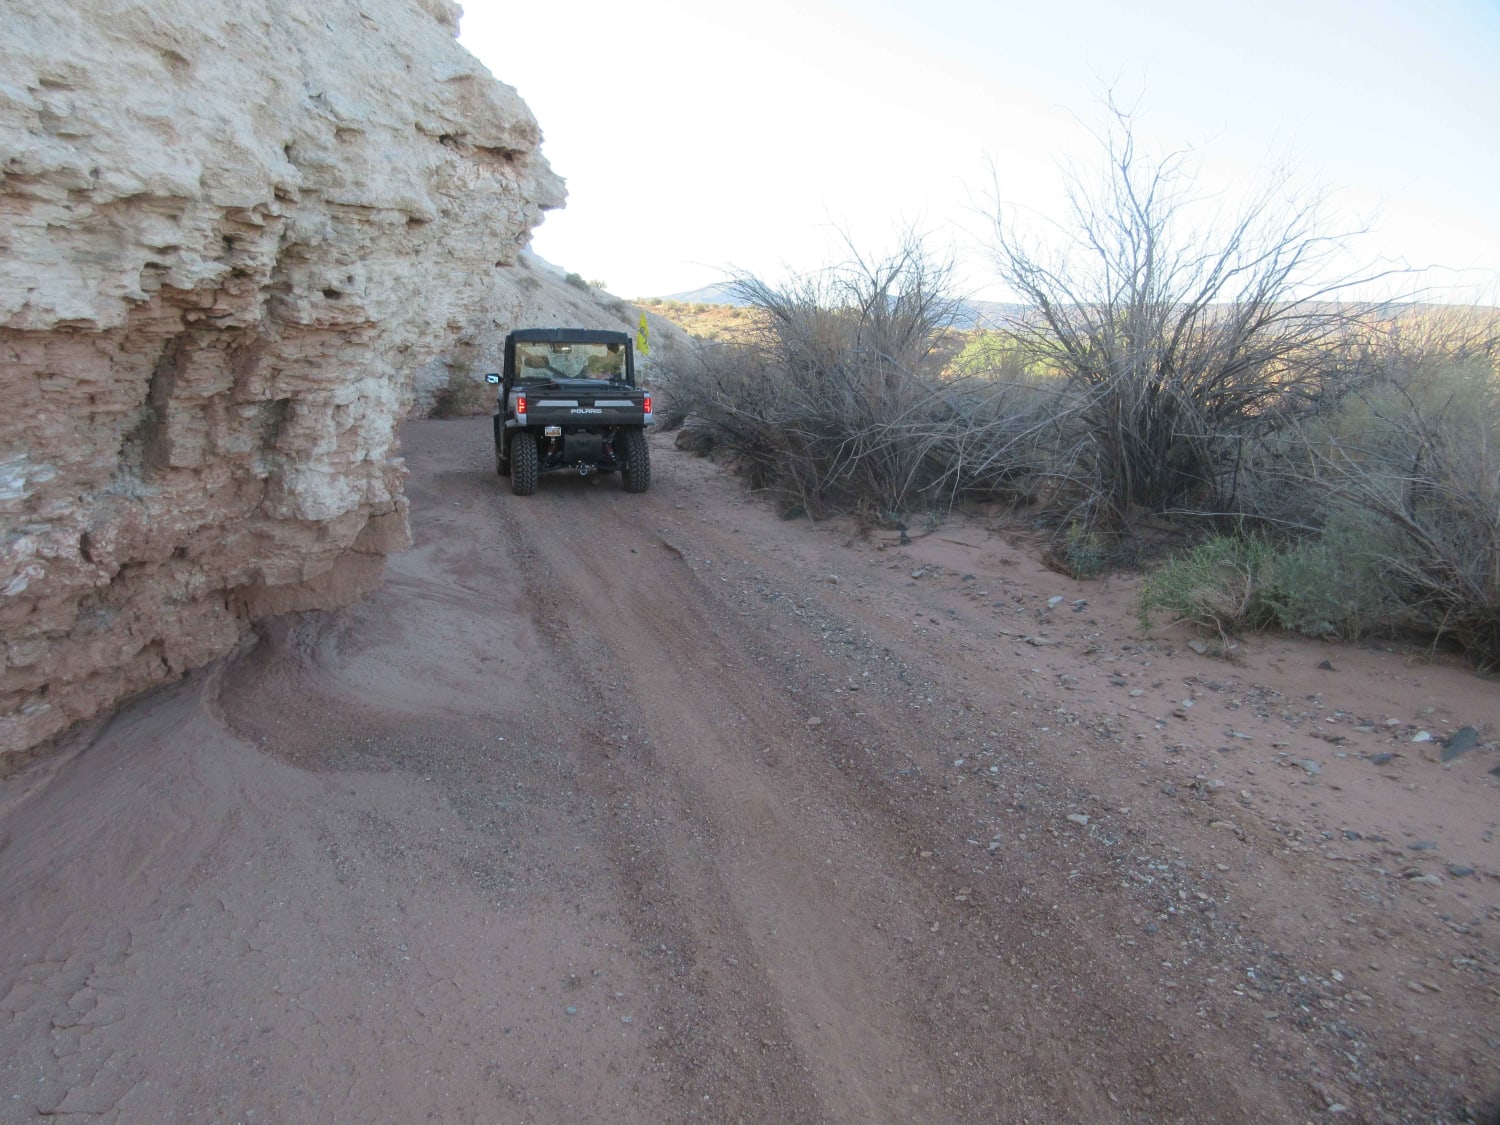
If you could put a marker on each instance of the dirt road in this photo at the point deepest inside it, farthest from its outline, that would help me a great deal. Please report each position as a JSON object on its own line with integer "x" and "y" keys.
{"x": 659, "y": 808}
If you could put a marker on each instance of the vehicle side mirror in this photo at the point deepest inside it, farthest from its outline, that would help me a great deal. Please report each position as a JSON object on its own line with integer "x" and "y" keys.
{"x": 492, "y": 378}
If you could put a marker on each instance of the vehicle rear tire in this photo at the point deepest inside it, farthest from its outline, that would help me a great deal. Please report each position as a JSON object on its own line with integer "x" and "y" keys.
{"x": 635, "y": 474}
{"x": 524, "y": 463}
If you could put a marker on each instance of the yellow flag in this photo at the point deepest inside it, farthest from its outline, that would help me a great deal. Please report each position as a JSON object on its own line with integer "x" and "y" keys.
{"x": 643, "y": 337}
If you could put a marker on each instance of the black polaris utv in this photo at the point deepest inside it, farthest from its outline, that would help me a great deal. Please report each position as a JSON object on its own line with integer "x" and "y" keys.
{"x": 569, "y": 401}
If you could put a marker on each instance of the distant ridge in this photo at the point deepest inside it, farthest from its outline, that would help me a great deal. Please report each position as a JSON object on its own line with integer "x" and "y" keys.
{"x": 971, "y": 314}
{"x": 986, "y": 314}
{"x": 996, "y": 314}
{"x": 720, "y": 293}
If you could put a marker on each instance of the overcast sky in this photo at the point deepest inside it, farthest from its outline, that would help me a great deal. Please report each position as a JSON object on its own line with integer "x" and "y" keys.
{"x": 698, "y": 139}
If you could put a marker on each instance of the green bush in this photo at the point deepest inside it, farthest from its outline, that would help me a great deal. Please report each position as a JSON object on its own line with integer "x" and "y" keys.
{"x": 1420, "y": 462}
{"x": 1384, "y": 504}
{"x": 1336, "y": 584}
{"x": 1380, "y": 565}
{"x": 997, "y": 355}
{"x": 1232, "y": 584}
{"x": 1219, "y": 585}
{"x": 1080, "y": 551}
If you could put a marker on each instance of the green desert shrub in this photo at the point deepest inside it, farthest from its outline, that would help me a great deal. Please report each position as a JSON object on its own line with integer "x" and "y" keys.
{"x": 1219, "y": 586}
{"x": 1335, "y": 583}
{"x": 1419, "y": 464}
{"x": 1387, "y": 512}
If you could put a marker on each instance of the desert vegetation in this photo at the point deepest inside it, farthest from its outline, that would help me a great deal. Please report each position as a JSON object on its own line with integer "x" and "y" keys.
{"x": 1378, "y": 514}
{"x": 1335, "y": 462}
{"x": 731, "y": 324}
{"x": 840, "y": 398}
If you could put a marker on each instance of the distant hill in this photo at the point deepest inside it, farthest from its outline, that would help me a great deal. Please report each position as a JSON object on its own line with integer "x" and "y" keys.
{"x": 971, "y": 314}
{"x": 987, "y": 314}
{"x": 994, "y": 314}
{"x": 720, "y": 293}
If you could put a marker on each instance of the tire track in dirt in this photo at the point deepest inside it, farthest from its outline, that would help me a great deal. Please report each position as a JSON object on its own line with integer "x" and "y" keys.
{"x": 763, "y": 928}
{"x": 715, "y": 698}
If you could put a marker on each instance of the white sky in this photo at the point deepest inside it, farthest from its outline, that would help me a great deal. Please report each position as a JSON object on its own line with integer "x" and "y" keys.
{"x": 699, "y": 139}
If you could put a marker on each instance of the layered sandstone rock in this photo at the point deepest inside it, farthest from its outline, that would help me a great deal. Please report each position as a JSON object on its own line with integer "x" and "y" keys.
{"x": 232, "y": 230}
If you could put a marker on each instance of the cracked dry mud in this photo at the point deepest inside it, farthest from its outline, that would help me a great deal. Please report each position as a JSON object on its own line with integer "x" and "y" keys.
{"x": 659, "y": 808}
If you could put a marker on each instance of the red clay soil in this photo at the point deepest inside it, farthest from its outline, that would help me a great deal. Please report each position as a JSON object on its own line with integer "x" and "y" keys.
{"x": 660, "y": 808}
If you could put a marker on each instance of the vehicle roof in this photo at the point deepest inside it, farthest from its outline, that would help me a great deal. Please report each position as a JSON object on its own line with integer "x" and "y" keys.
{"x": 568, "y": 336}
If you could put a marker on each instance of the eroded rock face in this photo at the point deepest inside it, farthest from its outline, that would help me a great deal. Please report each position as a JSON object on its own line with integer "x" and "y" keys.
{"x": 535, "y": 294}
{"x": 230, "y": 230}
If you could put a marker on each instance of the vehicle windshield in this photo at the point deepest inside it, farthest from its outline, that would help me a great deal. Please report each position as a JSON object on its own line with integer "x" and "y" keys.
{"x": 570, "y": 361}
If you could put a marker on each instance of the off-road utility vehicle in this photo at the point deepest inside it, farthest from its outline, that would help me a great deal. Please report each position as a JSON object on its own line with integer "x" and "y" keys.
{"x": 569, "y": 400}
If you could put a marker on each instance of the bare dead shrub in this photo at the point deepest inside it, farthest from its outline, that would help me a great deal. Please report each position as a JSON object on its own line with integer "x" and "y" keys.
{"x": 462, "y": 395}
{"x": 839, "y": 402}
{"x": 1180, "y": 333}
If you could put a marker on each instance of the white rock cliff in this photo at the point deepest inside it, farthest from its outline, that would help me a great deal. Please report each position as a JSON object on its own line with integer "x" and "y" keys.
{"x": 230, "y": 232}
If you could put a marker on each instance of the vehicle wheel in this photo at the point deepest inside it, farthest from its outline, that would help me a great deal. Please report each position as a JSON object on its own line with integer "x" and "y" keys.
{"x": 524, "y": 463}
{"x": 636, "y": 472}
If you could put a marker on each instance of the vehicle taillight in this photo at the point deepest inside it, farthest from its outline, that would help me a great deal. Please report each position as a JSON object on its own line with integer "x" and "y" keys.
{"x": 648, "y": 404}
{"x": 520, "y": 405}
